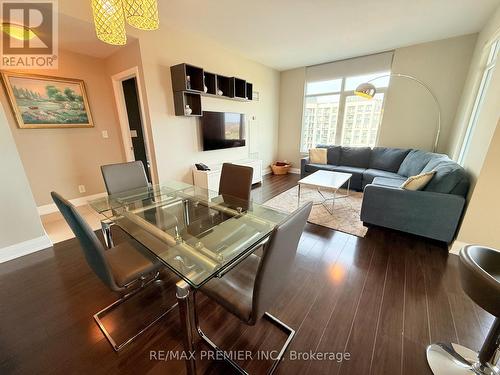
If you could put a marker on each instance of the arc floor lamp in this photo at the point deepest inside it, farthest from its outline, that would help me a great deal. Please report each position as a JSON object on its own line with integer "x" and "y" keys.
{"x": 367, "y": 90}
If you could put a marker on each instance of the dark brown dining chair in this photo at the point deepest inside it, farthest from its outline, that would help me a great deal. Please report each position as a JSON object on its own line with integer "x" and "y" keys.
{"x": 251, "y": 288}
{"x": 125, "y": 269}
{"x": 236, "y": 181}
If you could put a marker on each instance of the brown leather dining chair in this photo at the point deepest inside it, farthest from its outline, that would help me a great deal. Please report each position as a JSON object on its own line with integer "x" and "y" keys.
{"x": 236, "y": 181}
{"x": 125, "y": 269}
{"x": 249, "y": 290}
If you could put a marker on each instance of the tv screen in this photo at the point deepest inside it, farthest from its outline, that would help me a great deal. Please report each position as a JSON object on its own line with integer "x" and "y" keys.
{"x": 222, "y": 130}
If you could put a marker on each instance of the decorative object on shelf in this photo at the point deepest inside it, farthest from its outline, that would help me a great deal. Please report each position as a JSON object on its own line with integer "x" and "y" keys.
{"x": 47, "y": 102}
{"x": 188, "y": 110}
{"x": 205, "y": 88}
{"x": 110, "y": 16}
{"x": 368, "y": 90}
{"x": 280, "y": 167}
{"x": 142, "y": 14}
{"x": 219, "y": 92}
{"x": 188, "y": 82}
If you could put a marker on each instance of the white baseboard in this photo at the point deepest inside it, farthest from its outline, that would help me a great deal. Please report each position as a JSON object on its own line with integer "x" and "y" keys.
{"x": 294, "y": 170}
{"x": 50, "y": 208}
{"x": 24, "y": 248}
{"x": 456, "y": 246}
{"x": 267, "y": 170}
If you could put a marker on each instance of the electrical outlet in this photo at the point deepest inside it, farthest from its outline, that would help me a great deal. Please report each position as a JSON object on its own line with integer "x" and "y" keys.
{"x": 81, "y": 188}
{"x": 105, "y": 134}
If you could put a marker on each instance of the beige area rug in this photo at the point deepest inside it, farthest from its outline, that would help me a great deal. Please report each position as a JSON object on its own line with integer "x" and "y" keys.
{"x": 345, "y": 213}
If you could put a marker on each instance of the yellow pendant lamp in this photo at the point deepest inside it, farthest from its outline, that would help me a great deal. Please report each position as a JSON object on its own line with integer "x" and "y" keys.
{"x": 142, "y": 14}
{"x": 109, "y": 21}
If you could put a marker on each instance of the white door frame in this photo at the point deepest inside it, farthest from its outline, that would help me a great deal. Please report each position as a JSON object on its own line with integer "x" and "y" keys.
{"x": 123, "y": 117}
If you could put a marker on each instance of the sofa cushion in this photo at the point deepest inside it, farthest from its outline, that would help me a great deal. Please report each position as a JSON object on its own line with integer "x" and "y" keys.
{"x": 418, "y": 182}
{"x": 358, "y": 157}
{"x": 317, "y": 156}
{"x": 370, "y": 174}
{"x": 333, "y": 153}
{"x": 389, "y": 182}
{"x": 311, "y": 168}
{"x": 357, "y": 175}
{"x": 415, "y": 162}
{"x": 448, "y": 175}
{"x": 387, "y": 159}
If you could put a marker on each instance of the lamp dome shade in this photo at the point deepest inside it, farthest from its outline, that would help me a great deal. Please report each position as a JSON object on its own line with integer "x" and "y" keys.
{"x": 365, "y": 90}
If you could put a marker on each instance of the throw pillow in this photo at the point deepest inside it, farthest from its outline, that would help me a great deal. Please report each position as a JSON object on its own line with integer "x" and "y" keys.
{"x": 418, "y": 182}
{"x": 318, "y": 155}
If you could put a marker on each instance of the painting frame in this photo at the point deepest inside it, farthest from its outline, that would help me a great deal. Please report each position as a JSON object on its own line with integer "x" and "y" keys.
{"x": 7, "y": 84}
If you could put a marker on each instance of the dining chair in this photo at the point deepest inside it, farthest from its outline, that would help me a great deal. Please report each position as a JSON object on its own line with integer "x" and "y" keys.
{"x": 119, "y": 178}
{"x": 236, "y": 181}
{"x": 251, "y": 288}
{"x": 125, "y": 269}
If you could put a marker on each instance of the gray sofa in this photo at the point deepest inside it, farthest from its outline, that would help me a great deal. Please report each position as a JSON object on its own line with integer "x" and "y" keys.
{"x": 433, "y": 212}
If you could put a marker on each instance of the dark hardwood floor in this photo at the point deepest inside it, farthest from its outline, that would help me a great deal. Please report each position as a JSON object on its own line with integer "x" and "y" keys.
{"x": 381, "y": 299}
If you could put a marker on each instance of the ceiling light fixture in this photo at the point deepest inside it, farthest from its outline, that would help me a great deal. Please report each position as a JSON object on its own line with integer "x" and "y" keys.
{"x": 110, "y": 17}
{"x": 18, "y": 32}
{"x": 142, "y": 14}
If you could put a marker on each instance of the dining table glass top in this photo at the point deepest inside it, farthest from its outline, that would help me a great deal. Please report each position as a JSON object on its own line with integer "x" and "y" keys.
{"x": 195, "y": 232}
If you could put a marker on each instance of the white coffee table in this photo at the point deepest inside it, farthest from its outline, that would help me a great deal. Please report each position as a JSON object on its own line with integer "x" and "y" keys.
{"x": 327, "y": 180}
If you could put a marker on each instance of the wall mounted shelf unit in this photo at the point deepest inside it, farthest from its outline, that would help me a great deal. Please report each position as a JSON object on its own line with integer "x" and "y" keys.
{"x": 189, "y": 82}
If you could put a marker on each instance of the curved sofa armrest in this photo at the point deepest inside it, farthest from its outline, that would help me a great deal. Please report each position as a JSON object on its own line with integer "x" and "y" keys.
{"x": 424, "y": 213}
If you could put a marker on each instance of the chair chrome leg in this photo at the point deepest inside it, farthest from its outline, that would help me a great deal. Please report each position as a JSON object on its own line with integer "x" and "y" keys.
{"x": 106, "y": 232}
{"x": 454, "y": 359}
{"x": 278, "y": 323}
{"x": 97, "y": 317}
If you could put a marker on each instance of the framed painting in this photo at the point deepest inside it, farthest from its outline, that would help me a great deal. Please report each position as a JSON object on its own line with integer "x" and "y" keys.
{"x": 47, "y": 102}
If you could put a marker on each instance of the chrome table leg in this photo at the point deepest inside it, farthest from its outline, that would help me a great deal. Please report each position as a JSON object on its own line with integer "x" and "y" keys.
{"x": 185, "y": 300}
{"x": 298, "y": 198}
{"x": 106, "y": 232}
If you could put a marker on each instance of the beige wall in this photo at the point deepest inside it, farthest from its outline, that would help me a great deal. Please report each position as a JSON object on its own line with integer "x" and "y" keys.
{"x": 480, "y": 224}
{"x": 177, "y": 139}
{"x": 124, "y": 59}
{"x": 410, "y": 114}
{"x": 19, "y": 221}
{"x": 490, "y": 111}
{"x": 62, "y": 159}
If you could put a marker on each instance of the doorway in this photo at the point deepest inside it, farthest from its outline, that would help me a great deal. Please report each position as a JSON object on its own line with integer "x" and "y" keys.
{"x": 131, "y": 116}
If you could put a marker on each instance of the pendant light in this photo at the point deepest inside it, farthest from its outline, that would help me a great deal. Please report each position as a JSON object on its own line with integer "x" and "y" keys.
{"x": 109, "y": 21}
{"x": 142, "y": 14}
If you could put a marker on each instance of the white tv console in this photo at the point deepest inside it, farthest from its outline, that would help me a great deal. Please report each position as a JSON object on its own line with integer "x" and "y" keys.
{"x": 210, "y": 179}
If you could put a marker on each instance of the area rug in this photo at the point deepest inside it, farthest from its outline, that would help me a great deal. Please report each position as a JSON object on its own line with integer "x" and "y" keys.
{"x": 345, "y": 213}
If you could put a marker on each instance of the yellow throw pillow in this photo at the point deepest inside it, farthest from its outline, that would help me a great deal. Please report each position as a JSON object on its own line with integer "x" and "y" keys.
{"x": 317, "y": 156}
{"x": 418, "y": 182}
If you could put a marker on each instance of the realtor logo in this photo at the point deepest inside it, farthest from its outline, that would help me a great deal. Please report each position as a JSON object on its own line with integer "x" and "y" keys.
{"x": 29, "y": 34}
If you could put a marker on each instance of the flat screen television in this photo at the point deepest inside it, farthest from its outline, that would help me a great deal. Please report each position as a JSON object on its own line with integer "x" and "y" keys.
{"x": 222, "y": 130}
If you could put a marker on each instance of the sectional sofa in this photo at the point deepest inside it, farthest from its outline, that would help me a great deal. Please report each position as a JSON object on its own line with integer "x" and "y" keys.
{"x": 433, "y": 212}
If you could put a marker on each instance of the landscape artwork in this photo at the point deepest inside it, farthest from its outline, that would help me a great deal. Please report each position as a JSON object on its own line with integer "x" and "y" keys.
{"x": 47, "y": 102}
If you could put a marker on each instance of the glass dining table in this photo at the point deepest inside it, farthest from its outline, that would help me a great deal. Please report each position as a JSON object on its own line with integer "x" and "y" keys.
{"x": 196, "y": 233}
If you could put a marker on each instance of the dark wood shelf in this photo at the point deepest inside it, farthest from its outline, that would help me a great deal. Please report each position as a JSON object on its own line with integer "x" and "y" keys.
{"x": 211, "y": 83}
{"x": 237, "y": 88}
{"x": 188, "y": 85}
{"x": 249, "y": 91}
{"x": 184, "y": 98}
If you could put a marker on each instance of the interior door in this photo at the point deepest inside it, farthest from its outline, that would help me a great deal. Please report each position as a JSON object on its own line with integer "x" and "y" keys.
{"x": 135, "y": 123}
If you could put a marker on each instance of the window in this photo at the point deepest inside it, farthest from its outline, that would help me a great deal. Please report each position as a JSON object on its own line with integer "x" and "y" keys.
{"x": 478, "y": 101}
{"x": 334, "y": 115}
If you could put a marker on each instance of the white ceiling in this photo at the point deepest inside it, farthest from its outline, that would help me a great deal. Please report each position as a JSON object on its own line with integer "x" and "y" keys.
{"x": 79, "y": 36}
{"x": 285, "y": 34}
{"x": 290, "y": 33}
